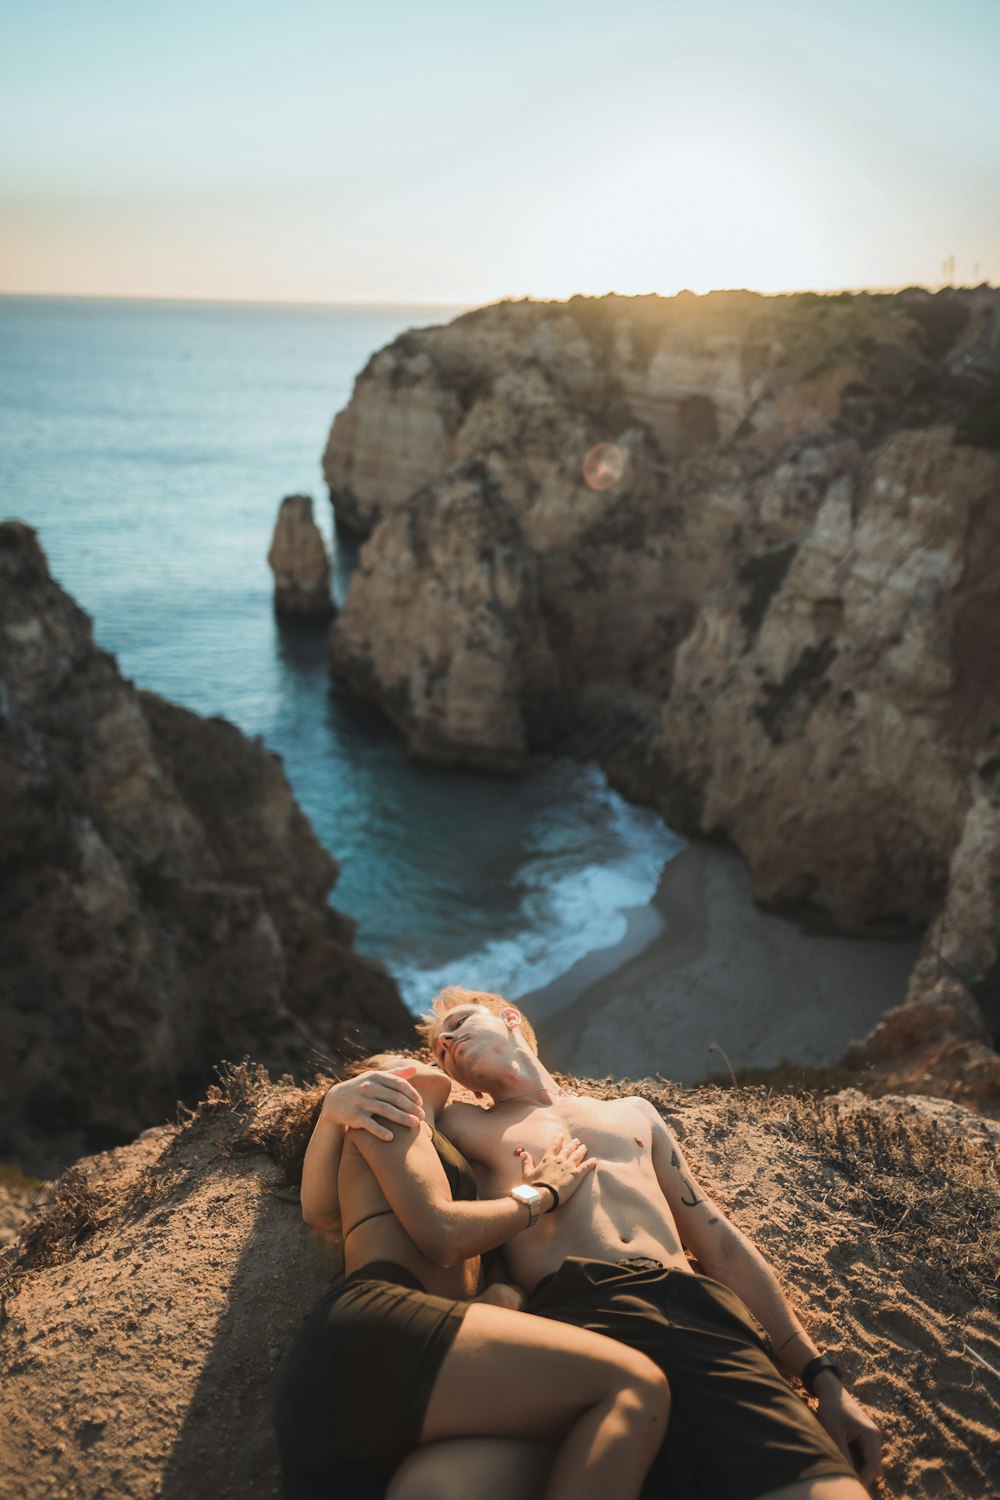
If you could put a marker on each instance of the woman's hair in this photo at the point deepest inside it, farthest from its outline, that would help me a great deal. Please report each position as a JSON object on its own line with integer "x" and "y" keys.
{"x": 377, "y": 1060}
{"x": 453, "y": 995}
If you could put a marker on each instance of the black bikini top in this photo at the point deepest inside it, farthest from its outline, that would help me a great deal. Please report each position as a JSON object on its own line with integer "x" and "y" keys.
{"x": 457, "y": 1170}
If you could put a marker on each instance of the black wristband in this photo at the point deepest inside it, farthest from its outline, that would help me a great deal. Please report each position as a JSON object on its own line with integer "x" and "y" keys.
{"x": 555, "y": 1195}
{"x": 816, "y": 1367}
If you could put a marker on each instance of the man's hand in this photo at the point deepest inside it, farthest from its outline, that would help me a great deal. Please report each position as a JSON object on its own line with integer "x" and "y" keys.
{"x": 502, "y": 1294}
{"x": 847, "y": 1422}
{"x": 357, "y": 1101}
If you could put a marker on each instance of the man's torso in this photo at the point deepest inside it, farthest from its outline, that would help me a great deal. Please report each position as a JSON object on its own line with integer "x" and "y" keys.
{"x": 618, "y": 1211}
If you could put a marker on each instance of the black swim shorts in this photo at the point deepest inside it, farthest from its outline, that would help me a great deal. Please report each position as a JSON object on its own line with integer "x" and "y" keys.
{"x": 355, "y": 1386}
{"x": 737, "y": 1430}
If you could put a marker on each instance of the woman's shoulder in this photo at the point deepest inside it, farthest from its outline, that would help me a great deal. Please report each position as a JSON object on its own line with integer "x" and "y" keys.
{"x": 404, "y": 1138}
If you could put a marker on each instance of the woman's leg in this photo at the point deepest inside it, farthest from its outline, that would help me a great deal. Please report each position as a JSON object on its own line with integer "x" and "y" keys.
{"x": 508, "y": 1374}
{"x": 489, "y": 1468}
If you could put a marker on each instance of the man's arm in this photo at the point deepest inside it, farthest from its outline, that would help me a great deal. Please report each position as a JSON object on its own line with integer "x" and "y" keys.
{"x": 355, "y": 1102}
{"x": 725, "y": 1254}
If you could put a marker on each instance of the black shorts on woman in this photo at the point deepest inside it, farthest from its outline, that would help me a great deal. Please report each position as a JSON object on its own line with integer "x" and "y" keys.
{"x": 737, "y": 1429}
{"x": 354, "y": 1389}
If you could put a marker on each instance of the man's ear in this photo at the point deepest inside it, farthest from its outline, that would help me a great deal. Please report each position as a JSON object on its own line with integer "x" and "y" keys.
{"x": 511, "y": 1018}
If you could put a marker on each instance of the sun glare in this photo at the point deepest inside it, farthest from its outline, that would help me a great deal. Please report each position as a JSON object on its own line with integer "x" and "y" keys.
{"x": 689, "y": 212}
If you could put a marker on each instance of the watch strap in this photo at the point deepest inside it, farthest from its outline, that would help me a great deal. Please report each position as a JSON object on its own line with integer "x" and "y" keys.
{"x": 816, "y": 1367}
{"x": 555, "y": 1195}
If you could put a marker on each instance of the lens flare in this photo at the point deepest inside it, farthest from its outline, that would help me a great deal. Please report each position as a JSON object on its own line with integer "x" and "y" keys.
{"x": 603, "y": 466}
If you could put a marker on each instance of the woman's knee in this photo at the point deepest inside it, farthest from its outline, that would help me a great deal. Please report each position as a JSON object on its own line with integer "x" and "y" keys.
{"x": 645, "y": 1390}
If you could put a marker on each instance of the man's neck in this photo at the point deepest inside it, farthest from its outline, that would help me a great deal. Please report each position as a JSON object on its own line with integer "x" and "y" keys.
{"x": 526, "y": 1080}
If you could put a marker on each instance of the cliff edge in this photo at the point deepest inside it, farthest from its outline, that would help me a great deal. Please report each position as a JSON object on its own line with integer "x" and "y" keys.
{"x": 144, "y": 1322}
{"x": 163, "y": 898}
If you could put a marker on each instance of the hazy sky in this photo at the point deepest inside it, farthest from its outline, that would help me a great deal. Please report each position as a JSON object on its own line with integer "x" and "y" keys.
{"x": 465, "y": 150}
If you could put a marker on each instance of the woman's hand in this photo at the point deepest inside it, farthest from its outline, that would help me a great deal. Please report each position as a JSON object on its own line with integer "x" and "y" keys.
{"x": 357, "y": 1101}
{"x": 563, "y": 1167}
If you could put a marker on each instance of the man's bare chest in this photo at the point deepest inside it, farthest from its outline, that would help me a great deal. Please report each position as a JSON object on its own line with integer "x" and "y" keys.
{"x": 613, "y": 1132}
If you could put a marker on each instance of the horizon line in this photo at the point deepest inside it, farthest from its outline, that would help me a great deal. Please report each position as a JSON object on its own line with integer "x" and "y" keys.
{"x": 886, "y": 290}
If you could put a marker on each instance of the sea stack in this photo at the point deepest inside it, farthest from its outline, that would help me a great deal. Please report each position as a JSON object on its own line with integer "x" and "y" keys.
{"x": 299, "y": 562}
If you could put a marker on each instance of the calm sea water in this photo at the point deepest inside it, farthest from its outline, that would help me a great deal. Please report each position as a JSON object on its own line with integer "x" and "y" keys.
{"x": 150, "y": 444}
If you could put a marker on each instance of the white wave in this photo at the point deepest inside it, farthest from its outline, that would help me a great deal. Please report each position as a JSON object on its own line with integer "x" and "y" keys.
{"x": 568, "y": 909}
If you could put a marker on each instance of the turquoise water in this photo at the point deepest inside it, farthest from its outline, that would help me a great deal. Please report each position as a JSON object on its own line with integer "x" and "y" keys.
{"x": 150, "y": 444}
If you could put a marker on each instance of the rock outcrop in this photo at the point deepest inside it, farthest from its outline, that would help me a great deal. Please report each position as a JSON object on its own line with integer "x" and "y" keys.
{"x": 443, "y": 627}
{"x": 945, "y": 1032}
{"x": 780, "y": 624}
{"x": 298, "y": 560}
{"x": 163, "y": 899}
{"x": 150, "y": 1306}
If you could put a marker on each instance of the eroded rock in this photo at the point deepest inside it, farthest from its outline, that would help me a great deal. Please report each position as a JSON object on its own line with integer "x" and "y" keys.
{"x": 442, "y": 625}
{"x": 298, "y": 560}
{"x": 163, "y": 897}
{"x": 781, "y": 624}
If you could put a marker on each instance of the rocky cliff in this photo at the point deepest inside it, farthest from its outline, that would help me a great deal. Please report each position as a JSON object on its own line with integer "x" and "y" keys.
{"x": 163, "y": 900}
{"x": 763, "y": 543}
{"x": 149, "y": 1307}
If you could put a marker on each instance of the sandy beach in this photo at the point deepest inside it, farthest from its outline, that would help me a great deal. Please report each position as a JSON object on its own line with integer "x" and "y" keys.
{"x": 701, "y": 964}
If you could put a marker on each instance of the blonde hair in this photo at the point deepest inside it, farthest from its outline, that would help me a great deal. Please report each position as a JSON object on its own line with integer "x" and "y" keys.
{"x": 378, "y": 1060}
{"x": 454, "y": 995}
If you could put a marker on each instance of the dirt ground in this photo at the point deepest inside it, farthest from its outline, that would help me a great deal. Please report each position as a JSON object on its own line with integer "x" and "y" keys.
{"x": 146, "y": 1309}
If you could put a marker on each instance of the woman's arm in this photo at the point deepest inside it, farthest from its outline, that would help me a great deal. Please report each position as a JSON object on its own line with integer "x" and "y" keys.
{"x": 354, "y": 1103}
{"x": 411, "y": 1177}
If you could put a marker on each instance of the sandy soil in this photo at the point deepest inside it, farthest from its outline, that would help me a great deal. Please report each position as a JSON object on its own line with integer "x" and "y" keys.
{"x": 703, "y": 964}
{"x": 142, "y": 1331}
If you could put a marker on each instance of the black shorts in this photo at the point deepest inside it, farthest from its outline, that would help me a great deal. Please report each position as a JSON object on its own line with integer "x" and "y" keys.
{"x": 737, "y": 1430}
{"x": 354, "y": 1388}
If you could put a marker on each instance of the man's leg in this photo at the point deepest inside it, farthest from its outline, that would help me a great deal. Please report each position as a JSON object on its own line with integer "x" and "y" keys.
{"x": 736, "y": 1424}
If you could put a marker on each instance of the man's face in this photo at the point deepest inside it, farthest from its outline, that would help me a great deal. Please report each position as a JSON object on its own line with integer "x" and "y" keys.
{"x": 473, "y": 1045}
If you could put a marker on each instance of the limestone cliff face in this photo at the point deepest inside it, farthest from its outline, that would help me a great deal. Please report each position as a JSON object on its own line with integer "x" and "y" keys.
{"x": 780, "y": 622}
{"x": 946, "y": 1029}
{"x": 163, "y": 896}
{"x": 833, "y": 695}
{"x": 734, "y": 417}
{"x": 454, "y": 553}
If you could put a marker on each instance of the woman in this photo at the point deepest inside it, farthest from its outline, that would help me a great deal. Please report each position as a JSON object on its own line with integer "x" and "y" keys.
{"x": 398, "y": 1355}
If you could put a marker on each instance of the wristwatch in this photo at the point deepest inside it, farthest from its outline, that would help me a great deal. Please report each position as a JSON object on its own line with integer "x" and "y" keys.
{"x": 531, "y": 1198}
{"x": 816, "y": 1367}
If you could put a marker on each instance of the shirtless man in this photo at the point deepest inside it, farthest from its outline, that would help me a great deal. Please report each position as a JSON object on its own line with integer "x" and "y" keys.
{"x": 643, "y": 1206}
{"x": 613, "y": 1260}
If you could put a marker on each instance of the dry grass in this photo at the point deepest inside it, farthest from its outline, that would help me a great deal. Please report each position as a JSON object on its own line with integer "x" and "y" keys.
{"x": 933, "y": 1189}
{"x": 928, "y": 1182}
{"x": 789, "y": 1077}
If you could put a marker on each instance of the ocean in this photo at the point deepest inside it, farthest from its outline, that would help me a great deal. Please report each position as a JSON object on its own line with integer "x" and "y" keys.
{"x": 150, "y": 444}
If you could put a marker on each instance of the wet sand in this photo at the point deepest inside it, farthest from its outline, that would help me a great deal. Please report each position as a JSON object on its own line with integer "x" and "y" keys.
{"x": 701, "y": 964}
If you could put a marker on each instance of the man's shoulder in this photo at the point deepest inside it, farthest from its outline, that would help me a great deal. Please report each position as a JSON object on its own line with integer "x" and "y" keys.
{"x": 631, "y": 1104}
{"x": 621, "y": 1105}
{"x": 460, "y": 1119}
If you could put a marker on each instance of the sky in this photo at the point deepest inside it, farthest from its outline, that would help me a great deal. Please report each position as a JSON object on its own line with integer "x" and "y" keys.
{"x": 460, "y": 151}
